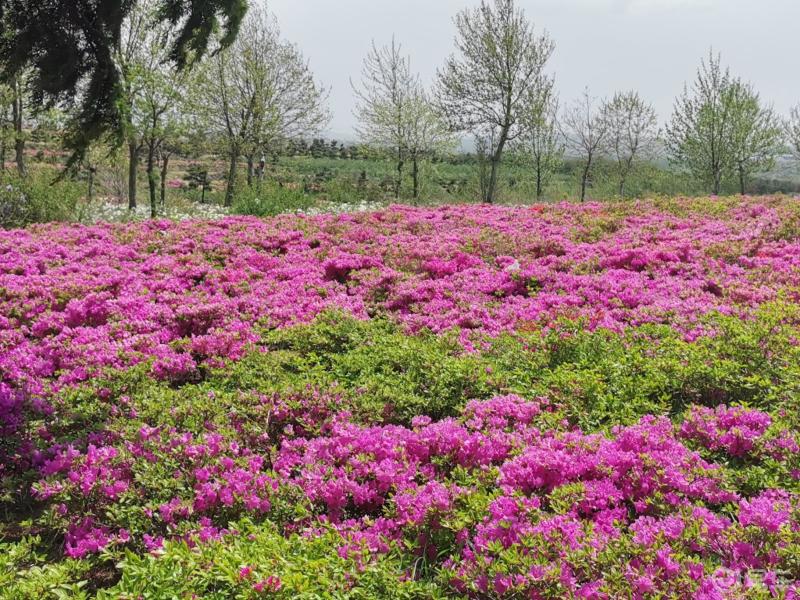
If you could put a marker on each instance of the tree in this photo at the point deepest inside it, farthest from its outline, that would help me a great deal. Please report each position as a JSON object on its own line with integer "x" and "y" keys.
{"x": 497, "y": 76}
{"x": 258, "y": 92}
{"x": 14, "y": 102}
{"x": 6, "y": 122}
{"x": 756, "y": 133}
{"x": 295, "y": 105}
{"x": 197, "y": 176}
{"x": 128, "y": 58}
{"x": 384, "y": 103}
{"x": 156, "y": 113}
{"x": 720, "y": 128}
{"x": 18, "y": 85}
{"x": 396, "y": 114}
{"x": 427, "y": 135}
{"x": 585, "y": 129}
{"x": 70, "y": 49}
{"x": 699, "y": 136}
{"x": 792, "y": 130}
{"x": 160, "y": 122}
{"x": 632, "y": 132}
{"x": 152, "y": 97}
{"x": 541, "y": 139}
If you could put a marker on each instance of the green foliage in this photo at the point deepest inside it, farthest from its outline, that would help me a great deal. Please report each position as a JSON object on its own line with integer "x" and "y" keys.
{"x": 454, "y": 179}
{"x": 597, "y": 379}
{"x": 268, "y": 199}
{"x": 197, "y": 176}
{"x": 383, "y": 370}
{"x": 309, "y": 568}
{"x": 27, "y": 573}
{"x": 601, "y": 379}
{"x": 37, "y": 199}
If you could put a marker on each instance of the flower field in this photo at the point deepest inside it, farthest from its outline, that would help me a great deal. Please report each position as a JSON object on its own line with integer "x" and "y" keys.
{"x": 595, "y": 401}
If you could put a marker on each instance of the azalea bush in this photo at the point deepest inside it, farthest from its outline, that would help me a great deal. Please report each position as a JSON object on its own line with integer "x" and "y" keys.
{"x": 486, "y": 402}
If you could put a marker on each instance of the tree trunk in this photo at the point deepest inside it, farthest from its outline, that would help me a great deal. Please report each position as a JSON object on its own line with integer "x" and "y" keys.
{"x": 496, "y": 158}
{"x": 262, "y": 168}
{"x": 539, "y": 190}
{"x": 251, "y": 165}
{"x": 583, "y": 186}
{"x": 133, "y": 164}
{"x": 585, "y": 179}
{"x": 717, "y": 185}
{"x": 400, "y": 165}
{"x": 231, "y": 187}
{"x": 742, "y": 184}
{"x": 164, "y": 167}
{"x": 19, "y": 138}
{"x": 91, "y": 183}
{"x": 626, "y": 168}
{"x": 151, "y": 178}
{"x": 490, "y": 189}
{"x": 415, "y": 177}
{"x": 19, "y": 147}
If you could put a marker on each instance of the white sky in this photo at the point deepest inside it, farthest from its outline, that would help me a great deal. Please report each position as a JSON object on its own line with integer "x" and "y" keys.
{"x": 653, "y": 46}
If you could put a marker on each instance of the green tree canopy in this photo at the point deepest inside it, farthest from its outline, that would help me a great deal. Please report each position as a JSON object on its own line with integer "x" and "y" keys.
{"x": 69, "y": 47}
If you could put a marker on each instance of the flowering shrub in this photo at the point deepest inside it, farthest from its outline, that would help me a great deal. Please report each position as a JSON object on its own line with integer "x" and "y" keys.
{"x": 579, "y": 402}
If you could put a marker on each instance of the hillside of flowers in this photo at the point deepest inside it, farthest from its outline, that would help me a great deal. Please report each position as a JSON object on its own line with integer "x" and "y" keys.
{"x": 557, "y": 401}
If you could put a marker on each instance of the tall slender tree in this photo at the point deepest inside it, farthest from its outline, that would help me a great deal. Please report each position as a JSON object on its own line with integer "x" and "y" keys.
{"x": 699, "y": 136}
{"x": 427, "y": 135}
{"x": 6, "y": 122}
{"x": 792, "y": 130}
{"x": 128, "y": 58}
{"x": 585, "y": 129}
{"x": 157, "y": 110}
{"x": 18, "y": 85}
{"x": 757, "y": 135}
{"x": 498, "y": 71}
{"x": 541, "y": 141}
{"x": 632, "y": 133}
{"x": 385, "y": 99}
{"x": 396, "y": 114}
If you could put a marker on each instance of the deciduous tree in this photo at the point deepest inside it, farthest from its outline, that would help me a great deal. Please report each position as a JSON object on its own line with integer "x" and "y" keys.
{"x": 699, "y": 136}
{"x": 384, "y": 103}
{"x": 792, "y": 130}
{"x": 541, "y": 140}
{"x": 756, "y": 136}
{"x": 632, "y": 133}
{"x": 427, "y": 135}
{"x": 257, "y": 92}
{"x": 492, "y": 81}
{"x": 396, "y": 114}
{"x": 153, "y": 97}
{"x": 585, "y": 129}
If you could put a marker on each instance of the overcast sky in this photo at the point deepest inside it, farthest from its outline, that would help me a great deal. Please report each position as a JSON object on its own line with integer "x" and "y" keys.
{"x": 653, "y": 46}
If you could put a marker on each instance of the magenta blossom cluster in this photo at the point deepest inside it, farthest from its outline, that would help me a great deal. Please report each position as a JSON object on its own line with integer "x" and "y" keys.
{"x": 559, "y": 509}
{"x": 738, "y": 432}
{"x": 75, "y": 299}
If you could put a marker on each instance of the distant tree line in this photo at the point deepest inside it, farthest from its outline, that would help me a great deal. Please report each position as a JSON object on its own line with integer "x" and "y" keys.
{"x": 166, "y": 78}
